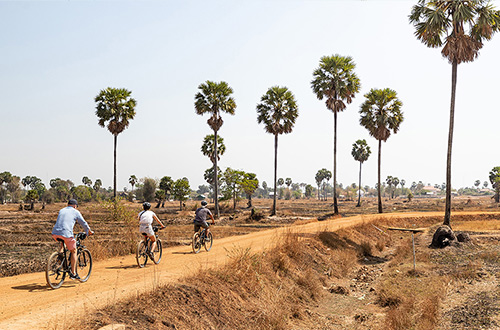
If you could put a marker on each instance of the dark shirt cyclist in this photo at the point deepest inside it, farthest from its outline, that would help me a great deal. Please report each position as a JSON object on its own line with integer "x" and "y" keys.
{"x": 200, "y": 219}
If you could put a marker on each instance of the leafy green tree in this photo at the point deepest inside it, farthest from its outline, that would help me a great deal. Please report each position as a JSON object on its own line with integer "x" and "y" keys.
{"x": 395, "y": 182}
{"x": 166, "y": 184}
{"x": 477, "y": 183}
{"x": 232, "y": 183}
{"x": 322, "y": 177}
{"x": 86, "y": 181}
{"x": 495, "y": 182}
{"x": 208, "y": 147}
{"x": 249, "y": 184}
{"x": 115, "y": 110}
{"x": 61, "y": 188}
{"x": 381, "y": 114}
{"x": 181, "y": 191}
{"x": 361, "y": 152}
{"x": 82, "y": 193}
{"x": 281, "y": 182}
{"x": 14, "y": 188}
{"x": 148, "y": 189}
{"x": 160, "y": 197}
{"x": 278, "y": 111}
{"x": 309, "y": 191}
{"x": 288, "y": 182}
{"x": 460, "y": 27}
{"x": 97, "y": 185}
{"x": 335, "y": 81}
{"x": 31, "y": 197}
{"x": 213, "y": 99}
{"x": 5, "y": 179}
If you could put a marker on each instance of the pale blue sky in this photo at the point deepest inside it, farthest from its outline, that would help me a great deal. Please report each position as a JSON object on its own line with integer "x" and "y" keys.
{"x": 58, "y": 55}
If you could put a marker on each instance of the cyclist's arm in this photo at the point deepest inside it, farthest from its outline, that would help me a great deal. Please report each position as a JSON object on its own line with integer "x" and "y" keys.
{"x": 158, "y": 220}
{"x": 83, "y": 223}
{"x": 212, "y": 217}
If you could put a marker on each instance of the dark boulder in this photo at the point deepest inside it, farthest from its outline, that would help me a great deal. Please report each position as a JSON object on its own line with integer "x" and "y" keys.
{"x": 442, "y": 237}
{"x": 463, "y": 237}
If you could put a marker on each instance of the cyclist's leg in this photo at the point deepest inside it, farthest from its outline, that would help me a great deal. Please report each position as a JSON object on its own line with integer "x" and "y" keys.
{"x": 73, "y": 261}
{"x": 153, "y": 243}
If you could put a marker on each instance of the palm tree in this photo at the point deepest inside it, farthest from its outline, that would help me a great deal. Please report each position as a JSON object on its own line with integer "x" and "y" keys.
{"x": 115, "y": 109}
{"x": 208, "y": 147}
{"x": 381, "y": 114}
{"x": 278, "y": 111}
{"x": 213, "y": 99}
{"x": 132, "y": 180}
{"x": 360, "y": 151}
{"x": 335, "y": 81}
{"x": 460, "y": 27}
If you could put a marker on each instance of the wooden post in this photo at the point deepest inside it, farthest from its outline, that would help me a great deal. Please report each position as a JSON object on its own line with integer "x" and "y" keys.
{"x": 413, "y": 231}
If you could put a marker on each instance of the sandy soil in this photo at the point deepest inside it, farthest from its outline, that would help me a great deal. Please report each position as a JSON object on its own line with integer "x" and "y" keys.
{"x": 28, "y": 303}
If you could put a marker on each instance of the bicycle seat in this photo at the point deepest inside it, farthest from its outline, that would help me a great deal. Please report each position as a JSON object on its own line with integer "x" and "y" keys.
{"x": 144, "y": 234}
{"x": 60, "y": 240}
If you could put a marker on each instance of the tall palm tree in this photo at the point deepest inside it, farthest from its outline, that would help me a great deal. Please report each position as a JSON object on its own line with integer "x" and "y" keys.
{"x": 115, "y": 109}
{"x": 335, "y": 81}
{"x": 278, "y": 111}
{"x": 381, "y": 114}
{"x": 213, "y": 99}
{"x": 460, "y": 27}
{"x": 361, "y": 152}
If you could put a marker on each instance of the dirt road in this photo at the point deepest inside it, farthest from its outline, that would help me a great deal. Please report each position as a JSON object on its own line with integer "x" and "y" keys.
{"x": 27, "y": 302}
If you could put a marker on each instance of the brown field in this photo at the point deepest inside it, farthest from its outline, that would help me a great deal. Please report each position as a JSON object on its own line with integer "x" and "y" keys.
{"x": 355, "y": 278}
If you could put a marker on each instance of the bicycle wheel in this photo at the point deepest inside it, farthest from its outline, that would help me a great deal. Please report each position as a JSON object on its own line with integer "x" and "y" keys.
{"x": 208, "y": 242}
{"x": 54, "y": 273}
{"x": 141, "y": 255}
{"x": 84, "y": 265}
{"x": 157, "y": 252}
{"x": 196, "y": 242}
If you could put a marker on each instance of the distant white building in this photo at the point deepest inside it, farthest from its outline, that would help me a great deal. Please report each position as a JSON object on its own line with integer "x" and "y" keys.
{"x": 431, "y": 191}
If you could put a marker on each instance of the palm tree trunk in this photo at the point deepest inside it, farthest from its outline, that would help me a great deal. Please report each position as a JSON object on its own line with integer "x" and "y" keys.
{"x": 114, "y": 167}
{"x": 335, "y": 206}
{"x": 359, "y": 186}
{"x": 216, "y": 179}
{"x": 379, "y": 186}
{"x": 273, "y": 212}
{"x": 447, "y": 212}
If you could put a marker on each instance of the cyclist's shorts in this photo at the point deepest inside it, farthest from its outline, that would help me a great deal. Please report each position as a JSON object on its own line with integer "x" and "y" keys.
{"x": 69, "y": 241}
{"x": 197, "y": 225}
{"x": 146, "y": 229}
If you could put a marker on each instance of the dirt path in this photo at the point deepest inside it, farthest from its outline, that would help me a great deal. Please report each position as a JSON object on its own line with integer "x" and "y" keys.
{"x": 27, "y": 302}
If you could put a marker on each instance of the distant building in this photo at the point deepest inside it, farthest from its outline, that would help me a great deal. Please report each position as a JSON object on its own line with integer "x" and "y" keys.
{"x": 431, "y": 191}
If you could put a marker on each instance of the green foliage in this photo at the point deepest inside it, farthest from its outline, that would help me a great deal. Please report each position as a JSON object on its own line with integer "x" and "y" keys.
{"x": 31, "y": 196}
{"x": 208, "y": 147}
{"x": 495, "y": 181}
{"x": 231, "y": 184}
{"x": 82, "y": 193}
{"x": 148, "y": 189}
{"x": 361, "y": 151}
{"x": 278, "y": 110}
{"x": 61, "y": 189}
{"x": 115, "y": 109}
{"x": 309, "y": 191}
{"x": 166, "y": 184}
{"x": 86, "y": 181}
{"x": 181, "y": 189}
{"x": 381, "y": 113}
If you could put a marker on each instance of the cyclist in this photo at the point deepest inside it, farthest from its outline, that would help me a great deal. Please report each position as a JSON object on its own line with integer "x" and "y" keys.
{"x": 63, "y": 229}
{"x": 146, "y": 218}
{"x": 200, "y": 219}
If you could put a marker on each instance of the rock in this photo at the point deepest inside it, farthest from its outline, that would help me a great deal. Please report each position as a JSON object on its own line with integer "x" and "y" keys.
{"x": 463, "y": 237}
{"x": 339, "y": 290}
{"x": 442, "y": 237}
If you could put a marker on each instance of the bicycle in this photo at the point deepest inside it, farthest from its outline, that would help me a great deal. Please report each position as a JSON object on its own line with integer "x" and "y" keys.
{"x": 201, "y": 238}
{"x": 59, "y": 263}
{"x": 144, "y": 249}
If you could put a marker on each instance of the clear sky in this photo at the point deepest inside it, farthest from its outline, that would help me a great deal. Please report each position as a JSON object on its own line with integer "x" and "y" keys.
{"x": 57, "y": 55}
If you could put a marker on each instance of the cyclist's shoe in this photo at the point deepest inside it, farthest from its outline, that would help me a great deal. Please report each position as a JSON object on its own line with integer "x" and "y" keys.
{"x": 152, "y": 255}
{"x": 207, "y": 239}
{"x": 74, "y": 277}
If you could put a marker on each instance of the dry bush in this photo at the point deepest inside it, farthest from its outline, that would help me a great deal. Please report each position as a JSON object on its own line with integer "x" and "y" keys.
{"x": 413, "y": 302}
{"x": 366, "y": 249}
{"x": 467, "y": 272}
{"x": 404, "y": 251}
{"x": 342, "y": 261}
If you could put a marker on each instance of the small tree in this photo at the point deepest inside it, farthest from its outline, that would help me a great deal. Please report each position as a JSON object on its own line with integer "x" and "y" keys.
{"x": 181, "y": 191}
{"x": 495, "y": 182}
{"x": 149, "y": 189}
{"x": 166, "y": 184}
{"x": 250, "y": 183}
{"x": 232, "y": 183}
{"x": 361, "y": 152}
